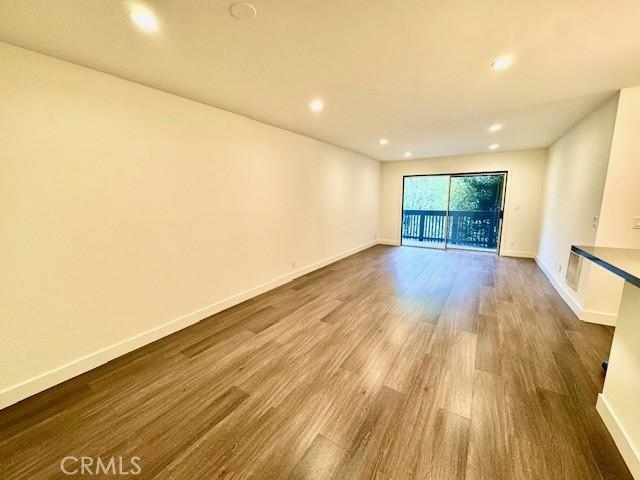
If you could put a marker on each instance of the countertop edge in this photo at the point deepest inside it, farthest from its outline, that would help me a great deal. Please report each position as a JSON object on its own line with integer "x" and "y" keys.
{"x": 606, "y": 265}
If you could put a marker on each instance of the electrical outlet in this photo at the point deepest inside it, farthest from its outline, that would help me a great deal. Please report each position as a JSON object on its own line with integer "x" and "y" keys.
{"x": 595, "y": 221}
{"x": 636, "y": 222}
{"x": 559, "y": 267}
{"x": 293, "y": 264}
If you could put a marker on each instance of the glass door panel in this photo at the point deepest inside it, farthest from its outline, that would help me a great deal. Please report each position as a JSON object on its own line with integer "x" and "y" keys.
{"x": 424, "y": 211}
{"x": 475, "y": 211}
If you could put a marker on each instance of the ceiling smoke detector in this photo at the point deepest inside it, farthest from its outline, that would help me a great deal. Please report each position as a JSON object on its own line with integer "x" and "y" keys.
{"x": 243, "y": 10}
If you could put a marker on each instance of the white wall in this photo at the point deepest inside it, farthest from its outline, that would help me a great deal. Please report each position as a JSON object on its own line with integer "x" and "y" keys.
{"x": 594, "y": 170}
{"x": 621, "y": 199}
{"x": 575, "y": 182}
{"x": 618, "y": 403}
{"x": 526, "y": 171}
{"x": 127, "y": 213}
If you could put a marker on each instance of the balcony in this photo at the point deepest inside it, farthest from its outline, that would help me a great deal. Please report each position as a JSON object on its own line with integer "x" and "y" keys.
{"x": 473, "y": 230}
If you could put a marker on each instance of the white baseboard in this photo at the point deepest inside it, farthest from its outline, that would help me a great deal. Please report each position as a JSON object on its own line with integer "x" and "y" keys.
{"x": 33, "y": 385}
{"x": 517, "y": 253}
{"x": 591, "y": 316}
{"x": 388, "y": 241}
{"x": 628, "y": 450}
{"x": 601, "y": 318}
{"x": 566, "y": 296}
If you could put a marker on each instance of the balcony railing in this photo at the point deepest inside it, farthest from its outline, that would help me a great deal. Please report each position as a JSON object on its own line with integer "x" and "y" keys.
{"x": 472, "y": 229}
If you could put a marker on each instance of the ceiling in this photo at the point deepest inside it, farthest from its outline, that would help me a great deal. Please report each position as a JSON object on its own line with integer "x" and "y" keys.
{"x": 414, "y": 71}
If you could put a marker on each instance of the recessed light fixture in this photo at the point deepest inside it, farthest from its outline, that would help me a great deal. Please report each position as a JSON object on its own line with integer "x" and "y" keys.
{"x": 494, "y": 146}
{"x": 316, "y": 105}
{"x": 145, "y": 19}
{"x": 502, "y": 63}
{"x": 383, "y": 141}
{"x": 243, "y": 10}
{"x": 495, "y": 127}
{"x": 407, "y": 154}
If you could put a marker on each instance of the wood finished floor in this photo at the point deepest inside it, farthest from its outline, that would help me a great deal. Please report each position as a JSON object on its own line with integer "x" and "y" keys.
{"x": 395, "y": 363}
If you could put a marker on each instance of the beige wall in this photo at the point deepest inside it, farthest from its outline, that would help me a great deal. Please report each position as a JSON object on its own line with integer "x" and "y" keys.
{"x": 126, "y": 213}
{"x": 526, "y": 170}
{"x": 575, "y": 182}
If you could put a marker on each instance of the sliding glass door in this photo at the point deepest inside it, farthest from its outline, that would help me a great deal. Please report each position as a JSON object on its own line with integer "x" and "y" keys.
{"x": 475, "y": 210}
{"x": 424, "y": 212}
{"x": 453, "y": 211}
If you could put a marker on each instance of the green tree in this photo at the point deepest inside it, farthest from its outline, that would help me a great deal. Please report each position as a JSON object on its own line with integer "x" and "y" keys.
{"x": 426, "y": 193}
{"x": 472, "y": 193}
{"x": 479, "y": 193}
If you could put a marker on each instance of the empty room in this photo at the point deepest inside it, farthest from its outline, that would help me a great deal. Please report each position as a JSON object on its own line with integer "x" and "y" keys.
{"x": 323, "y": 239}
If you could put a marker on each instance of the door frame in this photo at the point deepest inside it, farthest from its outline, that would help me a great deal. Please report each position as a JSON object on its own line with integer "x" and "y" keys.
{"x": 503, "y": 200}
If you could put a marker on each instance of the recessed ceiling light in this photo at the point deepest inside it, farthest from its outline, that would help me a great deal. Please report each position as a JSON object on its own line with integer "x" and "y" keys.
{"x": 243, "y": 10}
{"x": 502, "y": 63}
{"x": 494, "y": 146}
{"x": 145, "y": 19}
{"x": 495, "y": 128}
{"x": 407, "y": 154}
{"x": 316, "y": 105}
{"x": 383, "y": 141}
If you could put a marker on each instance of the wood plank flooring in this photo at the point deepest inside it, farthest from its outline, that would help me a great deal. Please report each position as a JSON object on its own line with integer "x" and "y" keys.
{"x": 395, "y": 363}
